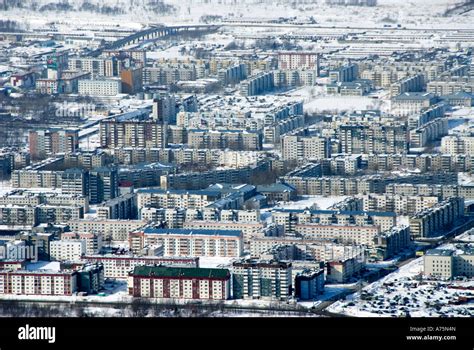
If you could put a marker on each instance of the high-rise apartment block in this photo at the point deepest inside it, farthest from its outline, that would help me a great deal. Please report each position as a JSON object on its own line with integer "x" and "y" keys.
{"x": 132, "y": 133}
{"x": 269, "y": 280}
{"x": 304, "y": 148}
{"x": 44, "y": 143}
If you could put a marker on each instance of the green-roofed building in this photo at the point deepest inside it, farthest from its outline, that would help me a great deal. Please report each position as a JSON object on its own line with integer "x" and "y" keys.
{"x": 179, "y": 283}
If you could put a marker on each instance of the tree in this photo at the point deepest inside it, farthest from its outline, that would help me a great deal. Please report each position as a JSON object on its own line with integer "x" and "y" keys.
{"x": 140, "y": 307}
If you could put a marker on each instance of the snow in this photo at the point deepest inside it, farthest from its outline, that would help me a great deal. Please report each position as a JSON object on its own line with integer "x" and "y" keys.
{"x": 465, "y": 179}
{"x": 44, "y": 265}
{"x": 403, "y": 220}
{"x": 321, "y": 202}
{"x": 215, "y": 262}
{"x": 406, "y": 291}
{"x": 343, "y": 103}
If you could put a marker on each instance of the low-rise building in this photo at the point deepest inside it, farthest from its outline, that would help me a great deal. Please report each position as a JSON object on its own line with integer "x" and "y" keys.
{"x": 43, "y": 282}
{"x": 179, "y": 283}
{"x": 118, "y": 266}
{"x": 449, "y": 263}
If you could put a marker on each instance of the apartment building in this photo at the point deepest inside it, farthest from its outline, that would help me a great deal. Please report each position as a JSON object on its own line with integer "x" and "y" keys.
{"x": 237, "y": 140}
{"x": 94, "y": 240}
{"x": 177, "y": 217}
{"x": 179, "y": 283}
{"x": 103, "y": 184}
{"x": 357, "y": 138}
{"x": 198, "y": 180}
{"x": 442, "y": 191}
{"x": 443, "y": 88}
{"x": 344, "y": 73}
{"x": 345, "y": 165}
{"x": 15, "y": 215}
{"x": 389, "y": 243}
{"x": 86, "y": 159}
{"x": 304, "y": 248}
{"x": 259, "y": 279}
{"x": 47, "y": 142}
{"x": 132, "y": 80}
{"x": 440, "y": 162}
{"x": 309, "y": 284}
{"x": 170, "y": 73}
{"x": 115, "y": 229}
{"x": 411, "y": 103}
{"x": 413, "y": 83}
{"x": 100, "y": 87}
{"x": 42, "y": 282}
{"x": 257, "y": 84}
{"x": 429, "y": 132}
{"x": 449, "y": 263}
{"x": 75, "y": 181}
{"x": 97, "y": 67}
{"x": 58, "y": 214}
{"x": 343, "y": 270}
{"x": 119, "y": 208}
{"x": 456, "y": 144}
{"x": 250, "y": 230}
{"x": 190, "y": 242}
{"x": 434, "y": 221}
{"x": 400, "y": 204}
{"x": 192, "y": 199}
{"x": 301, "y": 148}
{"x": 119, "y": 266}
{"x": 293, "y": 60}
{"x": 290, "y": 219}
{"x": 67, "y": 250}
{"x": 345, "y": 234}
{"x": 132, "y": 133}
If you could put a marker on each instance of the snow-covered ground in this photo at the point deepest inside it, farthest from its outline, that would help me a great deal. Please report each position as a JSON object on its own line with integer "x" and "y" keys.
{"x": 405, "y": 292}
{"x": 316, "y": 202}
{"x": 411, "y": 14}
{"x": 343, "y": 103}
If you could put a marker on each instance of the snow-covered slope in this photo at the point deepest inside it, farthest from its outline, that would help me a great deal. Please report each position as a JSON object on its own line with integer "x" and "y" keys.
{"x": 411, "y": 13}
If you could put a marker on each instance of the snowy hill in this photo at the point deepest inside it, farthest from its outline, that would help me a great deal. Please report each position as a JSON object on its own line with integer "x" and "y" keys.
{"x": 96, "y": 6}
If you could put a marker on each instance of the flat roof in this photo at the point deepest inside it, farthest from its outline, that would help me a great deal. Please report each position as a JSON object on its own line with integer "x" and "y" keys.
{"x": 440, "y": 252}
{"x": 191, "y": 272}
{"x": 335, "y": 212}
{"x": 195, "y": 192}
{"x": 179, "y": 231}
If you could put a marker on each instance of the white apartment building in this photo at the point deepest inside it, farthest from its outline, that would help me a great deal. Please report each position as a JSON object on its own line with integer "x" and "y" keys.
{"x": 100, "y": 87}
{"x": 304, "y": 148}
{"x": 359, "y": 235}
{"x": 457, "y": 144}
{"x": 175, "y": 198}
{"x": 115, "y": 229}
{"x": 190, "y": 242}
{"x": 94, "y": 241}
{"x": 67, "y": 250}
